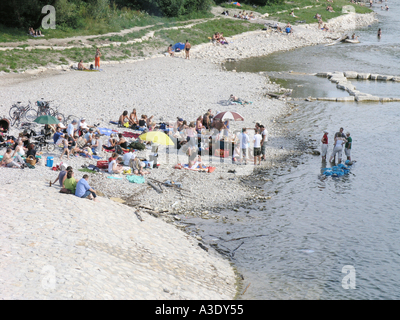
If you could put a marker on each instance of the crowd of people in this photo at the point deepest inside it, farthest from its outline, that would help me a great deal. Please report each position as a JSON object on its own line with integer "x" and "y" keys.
{"x": 340, "y": 140}
{"x": 244, "y": 15}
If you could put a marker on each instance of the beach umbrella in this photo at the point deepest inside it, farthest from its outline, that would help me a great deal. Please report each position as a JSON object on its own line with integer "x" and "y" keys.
{"x": 229, "y": 115}
{"x": 157, "y": 137}
{"x": 46, "y": 120}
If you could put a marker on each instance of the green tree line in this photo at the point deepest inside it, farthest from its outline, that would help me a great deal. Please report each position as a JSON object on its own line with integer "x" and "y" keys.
{"x": 72, "y": 13}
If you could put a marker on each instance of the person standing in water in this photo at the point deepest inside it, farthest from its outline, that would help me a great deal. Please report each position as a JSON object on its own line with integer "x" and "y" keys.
{"x": 97, "y": 59}
{"x": 187, "y": 49}
{"x": 324, "y": 148}
{"x": 379, "y": 32}
{"x": 347, "y": 147}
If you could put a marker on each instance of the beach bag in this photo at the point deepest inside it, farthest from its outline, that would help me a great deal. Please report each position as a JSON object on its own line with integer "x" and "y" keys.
{"x": 31, "y": 160}
{"x": 66, "y": 191}
{"x": 91, "y": 67}
{"x": 119, "y": 150}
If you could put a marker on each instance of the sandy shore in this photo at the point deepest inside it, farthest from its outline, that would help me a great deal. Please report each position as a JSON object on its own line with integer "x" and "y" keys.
{"x": 166, "y": 88}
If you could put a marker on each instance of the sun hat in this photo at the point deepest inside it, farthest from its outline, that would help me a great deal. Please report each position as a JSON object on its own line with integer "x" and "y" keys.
{"x": 326, "y": 131}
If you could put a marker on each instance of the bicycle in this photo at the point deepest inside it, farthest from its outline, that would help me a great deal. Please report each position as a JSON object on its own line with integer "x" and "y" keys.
{"x": 45, "y": 109}
{"x": 19, "y": 112}
{"x": 42, "y": 144}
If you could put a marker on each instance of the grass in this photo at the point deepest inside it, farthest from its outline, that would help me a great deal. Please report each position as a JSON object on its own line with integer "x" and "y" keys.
{"x": 19, "y": 60}
{"x": 306, "y": 15}
{"x": 200, "y": 32}
{"x": 91, "y": 26}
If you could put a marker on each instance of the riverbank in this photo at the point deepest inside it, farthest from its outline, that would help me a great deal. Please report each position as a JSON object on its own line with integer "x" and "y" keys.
{"x": 159, "y": 87}
{"x": 166, "y": 87}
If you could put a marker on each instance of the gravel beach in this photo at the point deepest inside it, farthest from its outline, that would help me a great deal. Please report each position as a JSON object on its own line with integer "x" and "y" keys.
{"x": 166, "y": 88}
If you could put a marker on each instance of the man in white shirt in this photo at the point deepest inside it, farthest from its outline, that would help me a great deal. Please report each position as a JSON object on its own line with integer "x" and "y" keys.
{"x": 128, "y": 156}
{"x": 264, "y": 140}
{"x": 257, "y": 147}
{"x": 244, "y": 141}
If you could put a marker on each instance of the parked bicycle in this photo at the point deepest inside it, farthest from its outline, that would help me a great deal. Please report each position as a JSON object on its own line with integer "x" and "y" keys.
{"x": 19, "y": 113}
{"x": 42, "y": 144}
{"x": 45, "y": 109}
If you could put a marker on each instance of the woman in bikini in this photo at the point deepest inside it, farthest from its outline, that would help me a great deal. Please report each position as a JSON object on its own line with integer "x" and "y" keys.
{"x": 133, "y": 119}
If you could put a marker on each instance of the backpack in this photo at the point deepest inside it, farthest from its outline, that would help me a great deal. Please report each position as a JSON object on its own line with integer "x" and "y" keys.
{"x": 119, "y": 150}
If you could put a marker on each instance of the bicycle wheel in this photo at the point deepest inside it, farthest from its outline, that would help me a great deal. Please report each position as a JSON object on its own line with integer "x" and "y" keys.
{"x": 72, "y": 117}
{"x": 51, "y": 147}
{"x": 13, "y": 112}
{"x": 30, "y": 115}
{"x": 62, "y": 117}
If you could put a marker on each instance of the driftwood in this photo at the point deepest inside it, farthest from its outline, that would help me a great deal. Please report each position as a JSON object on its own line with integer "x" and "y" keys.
{"x": 246, "y": 288}
{"x": 278, "y": 96}
{"x": 233, "y": 251}
{"x": 155, "y": 187}
{"x": 138, "y": 216}
{"x": 176, "y": 187}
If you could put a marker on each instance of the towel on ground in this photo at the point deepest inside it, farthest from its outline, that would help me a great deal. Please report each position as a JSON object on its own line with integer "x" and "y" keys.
{"x": 135, "y": 179}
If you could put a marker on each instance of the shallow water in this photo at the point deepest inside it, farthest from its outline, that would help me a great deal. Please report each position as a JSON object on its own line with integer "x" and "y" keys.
{"x": 312, "y": 228}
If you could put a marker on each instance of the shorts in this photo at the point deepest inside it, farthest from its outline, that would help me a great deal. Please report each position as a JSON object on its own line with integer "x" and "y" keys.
{"x": 347, "y": 152}
{"x": 324, "y": 150}
{"x": 257, "y": 152}
{"x": 337, "y": 150}
{"x": 264, "y": 148}
{"x": 244, "y": 152}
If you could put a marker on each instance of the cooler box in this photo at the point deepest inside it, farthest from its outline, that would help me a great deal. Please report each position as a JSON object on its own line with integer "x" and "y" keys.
{"x": 102, "y": 164}
{"x": 49, "y": 162}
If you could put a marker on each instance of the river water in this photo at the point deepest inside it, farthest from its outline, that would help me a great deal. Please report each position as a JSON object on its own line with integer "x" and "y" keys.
{"x": 312, "y": 228}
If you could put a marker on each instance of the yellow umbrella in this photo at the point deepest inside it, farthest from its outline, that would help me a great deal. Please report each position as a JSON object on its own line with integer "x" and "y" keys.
{"x": 157, "y": 137}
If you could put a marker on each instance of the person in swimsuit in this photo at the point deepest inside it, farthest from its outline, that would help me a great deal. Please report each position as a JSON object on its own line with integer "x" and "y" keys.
{"x": 122, "y": 142}
{"x": 170, "y": 51}
{"x": 379, "y": 32}
{"x": 80, "y": 66}
{"x": 133, "y": 119}
{"x": 187, "y": 49}
{"x": 97, "y": 59}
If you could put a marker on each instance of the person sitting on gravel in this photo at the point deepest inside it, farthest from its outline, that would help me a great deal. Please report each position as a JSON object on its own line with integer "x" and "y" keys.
{"x": 114, "y": 167}
{"x": 288, "y": 29}
{"x": 123, "y": 119}
{"x": 170, "y": 51}
{"x": 110, "y": 143}
{"x": 142, "y": 123}
{"x": 325, "y": 28}
{"x": 9, "y": 162}
{"x": 84, "y": 190}
{"x": 57, "y": 135}
{"x": 133, "y": 119}
{"x": 81, "y": 66}
{"x": 61, "y": 176}
{"x": 137, "y": 167}
{"x": 70, "y": 182}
